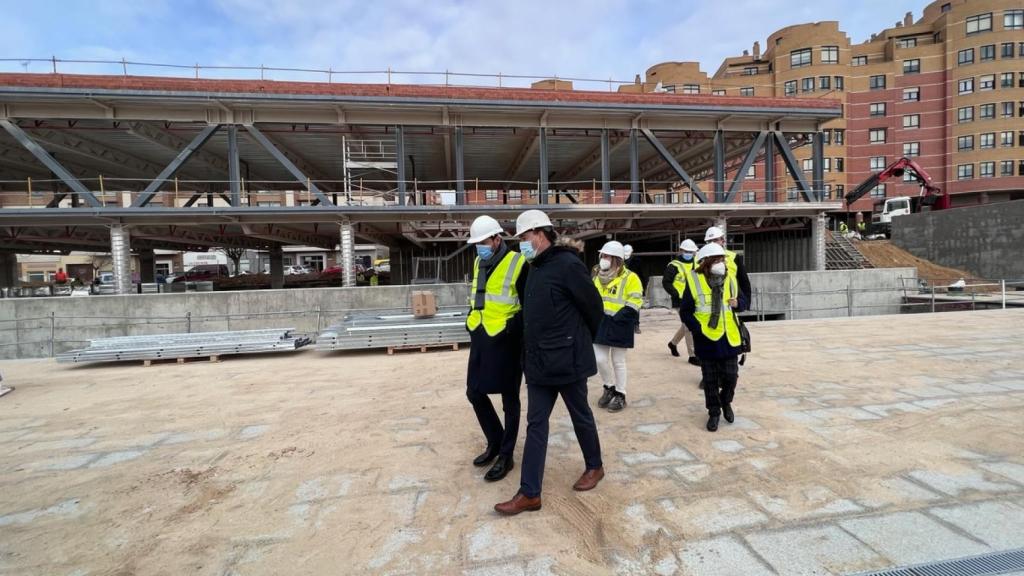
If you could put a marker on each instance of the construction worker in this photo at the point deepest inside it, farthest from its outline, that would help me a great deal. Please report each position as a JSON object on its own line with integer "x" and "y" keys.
{"x": 708, "y": 308}
{"x": 623, "y": 295}
{"x": 562, "y": 312}
{"x": 844, "y": 230}
{"x": 733, "y": 265}
{"x": 496, "y": 342}
{"x": 674, "y": 282}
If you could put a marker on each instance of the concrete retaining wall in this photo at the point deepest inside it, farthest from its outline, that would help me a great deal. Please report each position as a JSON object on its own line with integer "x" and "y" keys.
{"x": 819, "y": 294}
{"x": 25, "y": 323}
{"x": 985, "y": 240}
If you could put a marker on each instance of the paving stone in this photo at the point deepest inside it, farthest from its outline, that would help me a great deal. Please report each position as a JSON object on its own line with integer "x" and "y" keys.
{"x": 811, "y": 502}
{"x": 542, "y": 566}
{"x": 763, "y": 464}
{"x": 801, "y": 417}
{"x": 393, "y": 545}
{"x": 730, "y": 446}
{"x": 742, "y": 423}
{"x": 675, "y": 454}
{"x": 721, "y": 556}
{"x": 68, "y": 507}
{"x": 845, "y": 412}
{"x": 1010, "y": 384}
{"x": 653, "y": 429}
{"x": 116, "y": 458}
{"x": 399, "y": 483}
{"x": 1009, "y": 470}
{"x": 998, "y": 524}
{"x": 714, "y": 515}
{"x": 66, "y": 444}
{"x": 486, "y": 544}
{"x": 976, "y": 388}
{"x": 889, "y": 409}
{"x": 895, "y": 491}
{"x": 254, "y": 431}
{"x": 639, "y": 522}
{"x": 929, "y": 392}
{"x": 182, "y": 437}
{"x": 911, "y": 538}
{"x": 814, "y": 551}
{"x": 955, "y": 484}
{"x": 935, "y": 403}
{"x": 693, "y": 472}
{"x": 66, "y": 463}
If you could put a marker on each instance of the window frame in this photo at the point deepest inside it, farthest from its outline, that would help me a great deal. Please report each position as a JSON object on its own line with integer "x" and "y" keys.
{"x": 965, "y": 143}
{"x": 797, "y": 60}
{"x": 961, "y": 60}
{"x": 965, "y": 171}
{"x": 877, "y": 109}
{"x": 915, "y": 66}
{"x": 916, "y": 91}
{"x": 804, "y": 84}
{"x": 747, "y": 91}
{"x": 824, "y": 83}
{"x": 990, "y": 136}
{"x": 911, "y": 121}
{"x": 978, "y": 20}
{"x": 965, "y": 86}
{"x": 877, "y": 163}
{"x": 693, "y": 89}
{"x": 962, "y": 117}
{"x": 874, "y": 132}
{"x": 873, "y": 84}
{"x": 833, "y": 51}
{"x": 1013, "y": 19}
{"x": 983, "y": 108}
{"x": 859, "y": 61}
{"x": 911, "y": 149}
{"x": 909, "y": 42}
{"x": 991, "y": 172}
{"x": 991, "y": 48}
{"x": 1003, "y": 164}
{"x": 789, "y": 87}
{"x": 986, "y": 79}
{"x": 1005, "y": 142}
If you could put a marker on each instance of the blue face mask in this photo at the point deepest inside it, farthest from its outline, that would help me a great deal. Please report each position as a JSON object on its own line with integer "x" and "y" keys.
{"x": 687, "y": 256}
{"x": 526, "y": 249}
{"x": 484, "y": 252}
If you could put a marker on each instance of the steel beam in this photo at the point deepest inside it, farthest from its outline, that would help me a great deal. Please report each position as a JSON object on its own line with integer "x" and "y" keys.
{"x": 234, "y": 171}
{"x": 719, "y": 166}
{"x": 667, "y": 156}
{"x": 288, "y": 165}
{"x": 174, "y": 143}
{"x": 50, "y": 162}
{"x": 769, "y": 169}
{"x": 748, "y": 161}
{"x": 542, "y": 148}
{"x": 400, "y": 163}
{"x": 606, "y": 184}
{"x": 520, "y": 158}
{"x": 792, "y": 166}
{"x": 592, "y": 158}
{"x": 460, "y": 168}
{"x": 151, "y": 190}
{"x": 276, "y": 233}
{"x": 634, "y": 167}
{"x": 818, "y": 161}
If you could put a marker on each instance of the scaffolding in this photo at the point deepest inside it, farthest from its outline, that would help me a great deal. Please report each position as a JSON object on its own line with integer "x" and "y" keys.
{"x": 366, "y": 162}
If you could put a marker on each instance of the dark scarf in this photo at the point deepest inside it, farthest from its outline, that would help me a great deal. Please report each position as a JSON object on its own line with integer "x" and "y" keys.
{"x": 717, "y": 284}
{"x": 486, "y": 267}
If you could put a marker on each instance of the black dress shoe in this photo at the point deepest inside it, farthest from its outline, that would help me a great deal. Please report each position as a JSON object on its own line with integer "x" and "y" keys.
{"x": 672, "y": 348}
{"x": 502, "y": 466}
{"x": 712, "y": 423}
{"x": 693, "y": 360}
{"x": 485, "y": 458}
{"x": 727, "y": 412}
{"x": 609, "y": 393}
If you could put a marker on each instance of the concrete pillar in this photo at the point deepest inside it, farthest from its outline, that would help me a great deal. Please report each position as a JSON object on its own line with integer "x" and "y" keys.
{"x": 819, "y": 224}
{"x": 347, "y": 258}
{"x": 121, "y": 255}
{"x": 276, "y": 267}
{"x": 147, "y": 266}
{"x": 8, "y": 269}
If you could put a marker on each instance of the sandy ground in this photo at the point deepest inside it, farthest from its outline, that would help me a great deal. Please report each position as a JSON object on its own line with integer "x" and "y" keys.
{"x": 862, "y": 443}
{"x": 885, "y": 254}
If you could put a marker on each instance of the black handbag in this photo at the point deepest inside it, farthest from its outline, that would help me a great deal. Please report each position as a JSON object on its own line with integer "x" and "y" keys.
{"x": 744, "y": 338}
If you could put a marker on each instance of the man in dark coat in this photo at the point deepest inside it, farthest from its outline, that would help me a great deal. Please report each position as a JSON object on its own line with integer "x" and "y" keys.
{"x": 562, "y": 311}
{"x": 496, "y": 342}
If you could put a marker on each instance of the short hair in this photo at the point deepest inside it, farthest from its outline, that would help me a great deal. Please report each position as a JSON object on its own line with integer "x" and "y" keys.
{"x": 549, "y": 233}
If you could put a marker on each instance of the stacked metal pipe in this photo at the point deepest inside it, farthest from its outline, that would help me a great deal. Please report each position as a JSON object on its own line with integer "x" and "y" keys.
{"x": 193, "y": 345}
{"x": 395, "y": 328}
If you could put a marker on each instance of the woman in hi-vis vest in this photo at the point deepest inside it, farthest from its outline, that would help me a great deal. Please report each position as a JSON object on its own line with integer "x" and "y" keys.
{"x": 622, "y": 294}
{"x": 708, "y": 308}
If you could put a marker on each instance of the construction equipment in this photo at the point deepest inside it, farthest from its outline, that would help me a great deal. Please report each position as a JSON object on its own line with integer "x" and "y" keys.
{"x": 395, "y": 329}
{"x": 930, "y": 197}
{"x": 190, "y": 345}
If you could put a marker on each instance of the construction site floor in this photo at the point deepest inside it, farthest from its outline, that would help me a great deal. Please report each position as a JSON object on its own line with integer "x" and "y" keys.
{"x": 859, "y": 444}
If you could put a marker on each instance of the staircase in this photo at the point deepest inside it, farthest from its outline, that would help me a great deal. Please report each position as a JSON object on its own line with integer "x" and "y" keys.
{"x": 841, "y": 254}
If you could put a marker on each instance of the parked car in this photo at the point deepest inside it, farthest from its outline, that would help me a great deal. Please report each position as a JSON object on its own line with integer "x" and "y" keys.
{"x": 382, "y": 266}
{"x": 203, "y": 272}
{"x": 296, "y": 269}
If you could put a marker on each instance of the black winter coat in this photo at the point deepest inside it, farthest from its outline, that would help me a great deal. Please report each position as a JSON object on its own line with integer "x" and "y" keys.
{"x": 496, "y": 362}
{"x": 619, "y": 330}
{"x": 562, "y": 311}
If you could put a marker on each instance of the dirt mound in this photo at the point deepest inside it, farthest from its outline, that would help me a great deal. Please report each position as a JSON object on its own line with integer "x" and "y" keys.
{"x": 885, "y": 254}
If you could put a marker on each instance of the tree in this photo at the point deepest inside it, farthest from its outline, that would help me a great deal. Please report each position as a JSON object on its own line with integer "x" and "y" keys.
{"x": 235, "y": 255}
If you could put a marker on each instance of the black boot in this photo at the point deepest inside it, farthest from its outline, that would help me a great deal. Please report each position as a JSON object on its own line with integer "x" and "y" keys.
{"x": 609, "y": 393}
{"x": 712, "y": 423}
{"x": 484, "y": 459}
{"x": 672, "y": 348}
{"x": 502, "y": 466}
{"x": 617, "y": 403}
{"x": 727, "y": 412}
{"x": 693, "y": 360}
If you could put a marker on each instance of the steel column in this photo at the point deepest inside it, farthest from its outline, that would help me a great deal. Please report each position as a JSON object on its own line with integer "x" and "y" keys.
{"x": 769, "y": 169}
{"x": 606, "y": 168}
{"x": 234, "y": 170}
{"x": 50, "y": 162}
{"x": 794, "y": 169}
{"x": 400, "y": 163}
{"x": 719, "y": 166}
{"x": 542, "y": 192}
{"x": 818, "y": 159}
{"x": 819, "y": 224}
{"x": 634, "y": 167}
{"x": 147, "y": 265}
{"x": 348, "y": 254}
{"x": 288, "y": 165}
{"x": 667, "y": 156}
{"x": 460, "y": 168}
{"x": 121, "y": 255}
{"x": 276, "y": 267}
{"x": 175, "y": 164}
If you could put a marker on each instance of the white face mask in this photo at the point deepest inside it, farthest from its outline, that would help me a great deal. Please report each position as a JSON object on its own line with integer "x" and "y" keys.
{"x": 718, "y": 268}
{"x": 604, "y": 264}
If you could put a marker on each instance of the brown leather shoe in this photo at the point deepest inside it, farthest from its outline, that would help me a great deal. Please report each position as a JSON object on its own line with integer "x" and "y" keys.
{"x": 518, "y": 503}
{"x": 589, "y": 480}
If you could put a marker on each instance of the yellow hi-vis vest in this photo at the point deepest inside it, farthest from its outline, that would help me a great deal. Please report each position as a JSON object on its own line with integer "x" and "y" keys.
{"x": 682, "y": 272}
{"x": 501, "y": 301}
{"x": 730, "y": 265}
{"x": 623, "y": 290}
{"x": 727, "y": 324}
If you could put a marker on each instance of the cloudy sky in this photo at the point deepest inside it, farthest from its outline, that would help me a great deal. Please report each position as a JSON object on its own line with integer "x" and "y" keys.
{"x": 582, "y": 38}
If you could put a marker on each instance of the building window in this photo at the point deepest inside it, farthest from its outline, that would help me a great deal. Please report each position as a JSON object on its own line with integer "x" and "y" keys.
{"x": 987, "y": 169}
{"x": 911, "y": 149}
{"x": 1006, "y": 168}
{"x": 838, "y": 83}
{"x": 792, "y": 193}
{"x": 750, "y": 196}
{"x": 947, "y": 7}
{"x": 876, "y": 136}
{"x": 828, "y": 191}
{"x": 965, "y": 143}
{"x": 1006, "y": 80}
{"x": 912, "y": 66}
{"x": 840, "y": 136}
{"x": 800, "y": 58}
{"x": 826, "y": 164}
{"x": 1020, "y": 80}
{"x": 1020, "y": 138}
{"x": 790, "y": 87}
{"x": 1020, "y": 49}
{"x": 987, "y": 82}
{"x": 840, "y": 190}
{"x": 1020, "y": 168}
{"x": 965, "y": 114}
{"x": 979, "y": 23}
{"x": 691, "y": 88}
{"x": 1007, "y": 109}
{"x": 718, "y": 92}
{"x": 1013, "y": 20}
{"x": 966, "y": 86}
{"x": 859, "y": 61}
{"x": 808, "y": 165}
{"x": 1006, "y": 139}
{"x": 751, "y": 173}
{"x": 830, "y": 54}
{"x": 908, "y": 176}
{"x": 877, "y": 109}
{"x": 878, "y": 191}
{"x": 964, "y": 57}
{"x": 748, "y": 91}
{"x": 877, "y": 163}
{"x": 839, "y": 164}
{"x": 515, "y": 195}
{"x": 988, "y": 52}
{"x": 807, "y": 84}
{"x": 1007, "y": 50}
{"x": 824, "y": 82}
{"x": 877, "y": 82}
{"x": 965, "y": 171}
{"x": 906, "y": 42}
{"x": 911, "y": 121}
{"x": 987, "y": 111}
{"x": 987, "y": 140}
{"x": 911, "y": 94}
{"x": 491, "y": 195}
{"x": 750, "y": 71}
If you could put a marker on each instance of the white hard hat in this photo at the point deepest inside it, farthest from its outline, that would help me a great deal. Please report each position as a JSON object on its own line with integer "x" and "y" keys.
{"x": 688, "y": 246}
{"x": 613, "y": 248}
{"x": 710, "y": 249}
{"x": 531, "y": 220}
{"x": 483, "y": 228}
{"x": 627, "y": 250}
{"x": 713, "y": 233}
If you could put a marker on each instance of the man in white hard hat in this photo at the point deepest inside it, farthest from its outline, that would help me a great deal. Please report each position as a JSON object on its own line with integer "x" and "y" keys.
{"x": 733, "y": 265}
{"x": 496, "y": 342}
{"x": 708, "y": 308}
{"x": 674, "y": 282}
{"x": 562, "y": 312}
{"x": 623, "y": 296}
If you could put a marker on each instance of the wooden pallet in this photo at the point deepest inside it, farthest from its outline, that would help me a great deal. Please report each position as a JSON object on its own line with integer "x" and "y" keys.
{"x": 211, "y": 358}
{"x": 422, "y": 348}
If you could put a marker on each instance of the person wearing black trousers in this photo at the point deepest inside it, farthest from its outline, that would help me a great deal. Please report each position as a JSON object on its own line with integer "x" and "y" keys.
{"x": 562, "y": 311}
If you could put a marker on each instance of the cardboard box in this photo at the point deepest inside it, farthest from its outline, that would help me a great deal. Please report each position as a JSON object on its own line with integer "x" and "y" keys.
{"x": 424, "y": 304}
